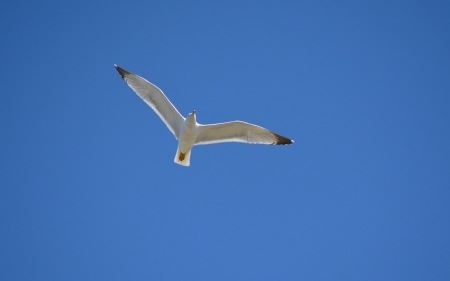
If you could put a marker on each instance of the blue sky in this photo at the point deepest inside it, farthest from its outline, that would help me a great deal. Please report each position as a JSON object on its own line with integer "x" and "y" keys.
{"x": 88, "y": 187}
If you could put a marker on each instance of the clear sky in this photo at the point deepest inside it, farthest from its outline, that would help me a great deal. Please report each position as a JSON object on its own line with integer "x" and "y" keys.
{"x": 88, "y": 186}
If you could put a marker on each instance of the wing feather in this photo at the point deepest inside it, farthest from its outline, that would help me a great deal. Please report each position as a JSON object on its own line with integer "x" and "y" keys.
{"x": 238, "y": 131}
{"x": 155, "y": 98}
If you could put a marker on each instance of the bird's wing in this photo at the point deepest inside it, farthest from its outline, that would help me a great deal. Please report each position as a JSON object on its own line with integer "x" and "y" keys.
{"x": 155, "y": 98}
{"x": 238, "y": 131}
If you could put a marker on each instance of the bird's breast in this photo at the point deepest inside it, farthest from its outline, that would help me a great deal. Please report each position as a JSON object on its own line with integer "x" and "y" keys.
{"x": 188, "y": 134}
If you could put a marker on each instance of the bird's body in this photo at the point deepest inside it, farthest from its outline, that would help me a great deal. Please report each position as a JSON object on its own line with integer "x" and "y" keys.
{"x": 186, "y": 140}
{"x": 187, "y": 131}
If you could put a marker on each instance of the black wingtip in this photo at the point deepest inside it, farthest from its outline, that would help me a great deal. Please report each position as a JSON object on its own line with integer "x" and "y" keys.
{"x": 122, "y": 72}
{"x": 282, "y": 140}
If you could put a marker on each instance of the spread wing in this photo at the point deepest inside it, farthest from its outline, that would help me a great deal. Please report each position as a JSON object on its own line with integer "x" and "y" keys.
{"x": 238, "y": 131}
{"x": 155, "y": 98}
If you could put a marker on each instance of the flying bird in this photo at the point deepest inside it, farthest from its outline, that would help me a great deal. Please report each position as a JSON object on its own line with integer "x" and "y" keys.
{"x": 187, "y": 131}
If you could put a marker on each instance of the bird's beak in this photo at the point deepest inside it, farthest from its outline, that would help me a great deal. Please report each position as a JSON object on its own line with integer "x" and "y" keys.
{"x": 193, "y": 112}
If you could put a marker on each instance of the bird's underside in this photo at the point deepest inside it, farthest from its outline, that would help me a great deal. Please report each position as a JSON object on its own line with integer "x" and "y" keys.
{"x": 187, "y": 131}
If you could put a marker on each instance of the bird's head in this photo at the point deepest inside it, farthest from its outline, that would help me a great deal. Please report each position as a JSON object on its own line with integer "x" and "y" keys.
{"x": 191, "y": 115}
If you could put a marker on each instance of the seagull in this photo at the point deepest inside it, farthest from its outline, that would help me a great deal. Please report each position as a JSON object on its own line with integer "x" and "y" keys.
{"x": 187, "y": 131}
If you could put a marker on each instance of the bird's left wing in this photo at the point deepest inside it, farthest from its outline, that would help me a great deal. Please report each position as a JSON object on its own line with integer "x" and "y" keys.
{"x": 238, "y": 131}
{"x": 155, "y": 98}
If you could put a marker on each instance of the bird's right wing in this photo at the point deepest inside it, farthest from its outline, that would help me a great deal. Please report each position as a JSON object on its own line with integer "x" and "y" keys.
{"x": 155, "y": 98}
{"x": 238, "y": 131}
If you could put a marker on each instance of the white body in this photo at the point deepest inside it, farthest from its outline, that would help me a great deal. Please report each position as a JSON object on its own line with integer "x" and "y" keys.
{"x": 186, "y": 139}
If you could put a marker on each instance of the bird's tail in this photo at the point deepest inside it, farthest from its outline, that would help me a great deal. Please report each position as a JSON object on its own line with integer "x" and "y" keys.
{"x": 183, "y": 158}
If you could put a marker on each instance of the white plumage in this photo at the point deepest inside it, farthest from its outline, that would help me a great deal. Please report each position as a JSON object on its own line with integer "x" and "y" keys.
{"x": 187, "y": 131}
